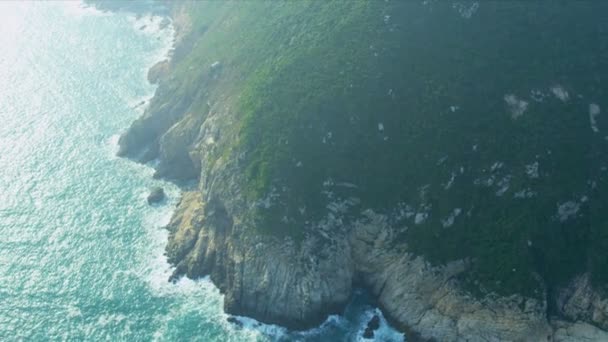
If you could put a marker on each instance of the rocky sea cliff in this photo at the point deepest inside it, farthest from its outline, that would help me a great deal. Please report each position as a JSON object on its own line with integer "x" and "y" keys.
{"x": 280, "y": 258}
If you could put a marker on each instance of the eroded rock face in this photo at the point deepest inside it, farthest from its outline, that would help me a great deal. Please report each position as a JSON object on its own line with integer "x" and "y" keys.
{"x": 277, "y": 282}
{"x": 271, "y": 281}
{"x": 577, "y": 332}
{"x": 297, "y": 285}
{"x": 158, "y": 71}
{"x": 579, "y": 301}
{"x": 428, "y": 301}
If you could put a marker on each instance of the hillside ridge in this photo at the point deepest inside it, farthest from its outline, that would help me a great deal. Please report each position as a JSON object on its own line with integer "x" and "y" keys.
{"x": 388, "y": 143}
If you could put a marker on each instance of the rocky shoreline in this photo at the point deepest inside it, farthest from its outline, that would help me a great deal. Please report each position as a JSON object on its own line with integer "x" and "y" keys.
{"x": 270, "y": 282}
{"x": 298, "y": 285}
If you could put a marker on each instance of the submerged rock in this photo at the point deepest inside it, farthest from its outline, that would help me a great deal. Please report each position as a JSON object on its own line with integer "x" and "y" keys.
{"x": 235, "y": 321}
{"x": 157, "y": 195}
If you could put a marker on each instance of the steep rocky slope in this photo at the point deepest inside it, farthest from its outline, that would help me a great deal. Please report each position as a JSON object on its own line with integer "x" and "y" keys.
{"x": 448, "y": 156}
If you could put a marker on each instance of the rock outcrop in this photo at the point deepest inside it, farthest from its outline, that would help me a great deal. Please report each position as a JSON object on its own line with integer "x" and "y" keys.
{"x": 156, "y": 195}
{"x": 158, "y": 71}
{"x": 429, "y": 301}
{"x": 276, "y": 282}
{"x": 577, "y": 332}
{"x": 371, "y": 327}
{"x": 580, "y": 301}
{"x": 269, "y": 280}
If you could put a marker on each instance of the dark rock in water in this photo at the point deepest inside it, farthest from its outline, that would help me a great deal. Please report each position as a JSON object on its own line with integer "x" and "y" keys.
{"x": 156, "y": 195}
{"x": 235, "y": 321}
{"x": 143, "y": 27}
{"x": 179, "y": 271}
{"x": 368, "y": 334}
{"x": 374, "y": 323}
{"x": 139, "y": 104}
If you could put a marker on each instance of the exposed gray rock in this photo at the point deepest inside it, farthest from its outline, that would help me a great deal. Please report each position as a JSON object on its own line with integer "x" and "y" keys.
{"x": 297, "y": 285}
{"x": 427, "y": 300}
{"x": 268, "y": 280}
{"x": 579, "y": 301}
{"x": 158, "y": 71}
{"x": 577, "y": 332}
{"x": 156, "y": 195}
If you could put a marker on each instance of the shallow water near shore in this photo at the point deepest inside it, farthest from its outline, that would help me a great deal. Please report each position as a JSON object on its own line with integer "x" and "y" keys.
{"x": 81, "y": 252}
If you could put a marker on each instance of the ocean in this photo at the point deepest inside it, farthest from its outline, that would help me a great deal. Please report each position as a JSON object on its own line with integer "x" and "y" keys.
{"x": 81, "y": 252}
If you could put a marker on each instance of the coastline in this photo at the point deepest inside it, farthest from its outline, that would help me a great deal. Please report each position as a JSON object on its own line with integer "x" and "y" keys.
{"x": 213, "y": 264}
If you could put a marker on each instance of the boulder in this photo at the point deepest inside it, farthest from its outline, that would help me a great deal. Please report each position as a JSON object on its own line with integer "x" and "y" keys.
{"x": 368, "y": 333}
{"x": 372, "y": 325}
{"x": 156, "y": 195}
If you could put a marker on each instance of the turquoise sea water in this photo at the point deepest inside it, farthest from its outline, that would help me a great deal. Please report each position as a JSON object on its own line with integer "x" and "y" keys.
{"x": 81, "y": 253}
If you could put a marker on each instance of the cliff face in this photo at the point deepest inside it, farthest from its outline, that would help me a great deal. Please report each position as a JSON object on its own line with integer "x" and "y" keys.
{"x": 429, "y": 301}
{"x": 580, "y": 301}
{"x": 334, "y": 146}
{"x": 298, "y": 287}
{"x": 295, "y": 287}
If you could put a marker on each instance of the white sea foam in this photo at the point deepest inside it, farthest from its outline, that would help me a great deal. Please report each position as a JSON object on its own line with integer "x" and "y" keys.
{"x": 79, "y": 9}
{"x": 152, "y": 25}
{"x": 73, "y": 311}
{"x": 112, "y": 144}
{"x": 384, "y": 333}
{"x": 106, "y": 319}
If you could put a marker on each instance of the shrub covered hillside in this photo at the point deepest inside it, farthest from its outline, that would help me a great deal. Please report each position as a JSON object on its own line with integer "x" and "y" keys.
{"x": 477, "y": 127}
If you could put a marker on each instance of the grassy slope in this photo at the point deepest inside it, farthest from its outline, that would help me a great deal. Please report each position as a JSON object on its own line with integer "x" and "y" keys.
{"x": 310, "y": 70}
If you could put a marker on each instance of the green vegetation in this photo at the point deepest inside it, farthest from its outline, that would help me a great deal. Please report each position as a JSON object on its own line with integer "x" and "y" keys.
{"x": 393, "y": 99}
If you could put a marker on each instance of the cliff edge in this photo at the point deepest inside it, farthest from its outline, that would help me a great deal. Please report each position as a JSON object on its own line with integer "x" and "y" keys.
{"x": 447, "y": 156}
